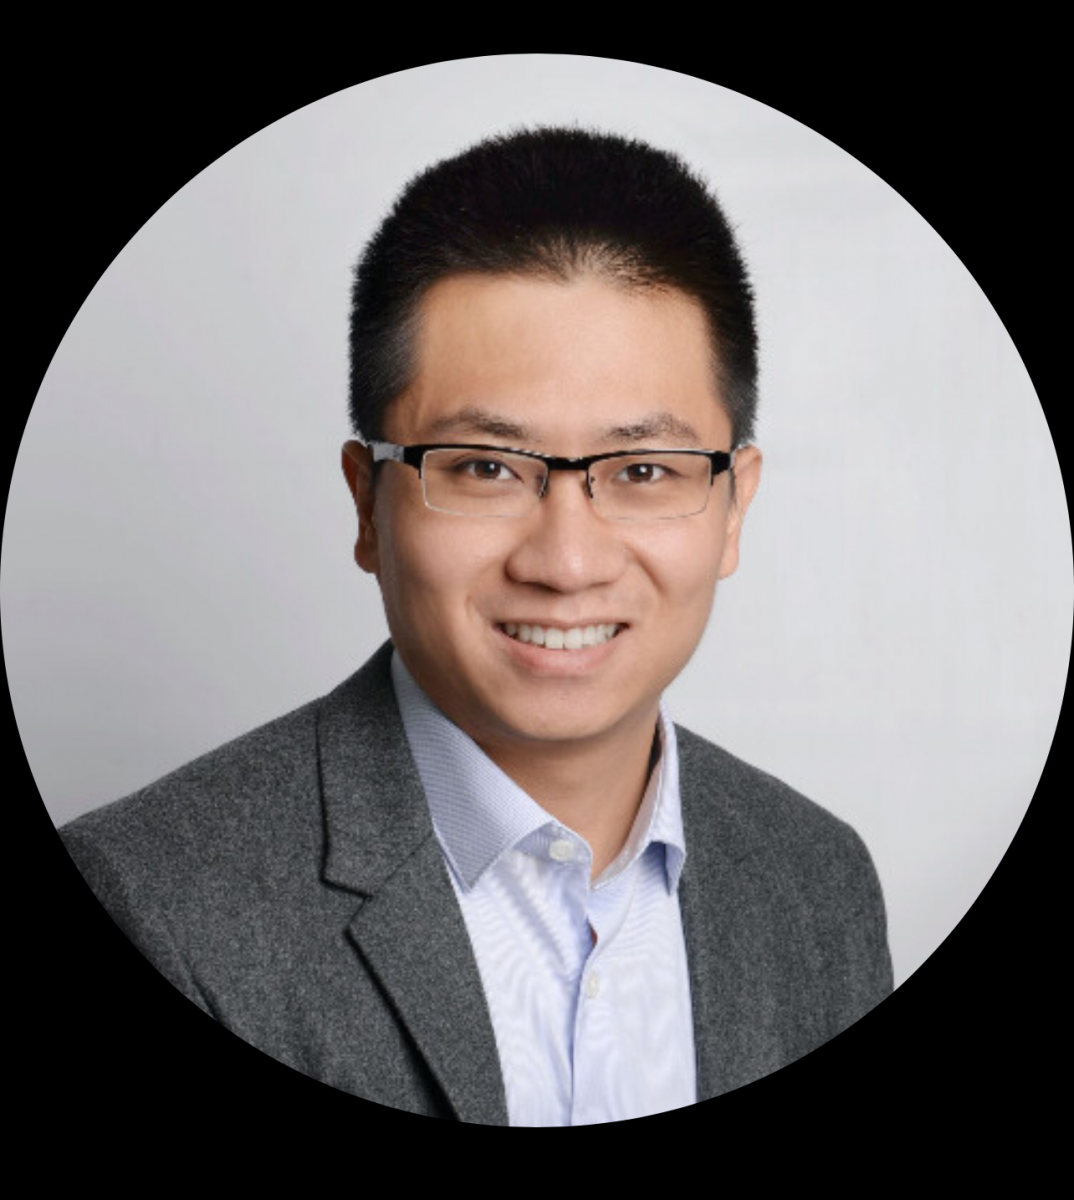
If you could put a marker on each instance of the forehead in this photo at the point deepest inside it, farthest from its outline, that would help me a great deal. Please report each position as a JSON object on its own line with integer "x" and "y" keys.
{"x": 556, "y": 360}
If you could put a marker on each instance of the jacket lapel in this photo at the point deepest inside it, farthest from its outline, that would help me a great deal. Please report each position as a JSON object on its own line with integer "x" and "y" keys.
{"x": 407, "y": 927}
{"x": 728, "y": 939}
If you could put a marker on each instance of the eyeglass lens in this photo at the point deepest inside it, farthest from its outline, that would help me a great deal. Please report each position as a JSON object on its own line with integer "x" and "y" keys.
{"x": 637, "y": 487}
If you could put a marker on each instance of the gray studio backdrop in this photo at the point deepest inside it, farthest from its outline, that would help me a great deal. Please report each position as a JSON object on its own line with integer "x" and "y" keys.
{"x": 177, "y": 547}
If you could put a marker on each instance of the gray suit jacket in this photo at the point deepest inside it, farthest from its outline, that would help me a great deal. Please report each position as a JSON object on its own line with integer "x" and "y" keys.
{"x": 290, "y": 884}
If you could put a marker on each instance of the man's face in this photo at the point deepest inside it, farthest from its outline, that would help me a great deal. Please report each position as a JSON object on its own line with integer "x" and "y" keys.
{"x": 568, "y": 369}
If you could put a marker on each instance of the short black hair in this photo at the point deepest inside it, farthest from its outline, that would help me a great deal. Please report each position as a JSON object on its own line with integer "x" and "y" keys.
{"x": 551, "y": 203}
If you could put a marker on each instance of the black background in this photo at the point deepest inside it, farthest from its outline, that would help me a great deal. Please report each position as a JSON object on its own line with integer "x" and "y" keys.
{"x": 104, "y": 1045}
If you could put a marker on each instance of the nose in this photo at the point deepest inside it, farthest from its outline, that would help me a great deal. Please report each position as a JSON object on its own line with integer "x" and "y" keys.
{"x": 564, "y": 545}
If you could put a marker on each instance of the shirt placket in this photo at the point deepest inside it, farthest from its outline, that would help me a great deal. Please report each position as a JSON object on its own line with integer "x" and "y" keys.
{"x": 568, "y": 862}
{"x": 596, "y": 1054}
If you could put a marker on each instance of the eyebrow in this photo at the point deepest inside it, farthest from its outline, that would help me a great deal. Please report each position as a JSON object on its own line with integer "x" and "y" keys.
{"x": 480, "y": 420}
{"x": 653, "y": 425}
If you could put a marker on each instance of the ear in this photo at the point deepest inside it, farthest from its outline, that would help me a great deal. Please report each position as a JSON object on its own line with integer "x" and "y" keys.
{"x": 746, "y": 476}
{"x": 358, "y": 471}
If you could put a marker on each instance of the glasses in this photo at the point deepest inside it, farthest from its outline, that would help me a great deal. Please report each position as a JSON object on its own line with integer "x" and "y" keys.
{"x": 625, "y": 485}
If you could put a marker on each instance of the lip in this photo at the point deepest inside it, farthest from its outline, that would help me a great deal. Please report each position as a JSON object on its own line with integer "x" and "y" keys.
{"x": 562, "y": 624}
{"x": 562, "y": 664}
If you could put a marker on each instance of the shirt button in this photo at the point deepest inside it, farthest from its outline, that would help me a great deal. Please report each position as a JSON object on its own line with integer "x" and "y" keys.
{"x": 592, "y": 986}
{"x": 561, "y": 850}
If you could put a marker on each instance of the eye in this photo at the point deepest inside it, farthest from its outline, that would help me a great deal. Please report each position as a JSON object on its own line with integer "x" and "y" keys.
{"x": 645, "y": 472}
{"x": 485, "y": 470}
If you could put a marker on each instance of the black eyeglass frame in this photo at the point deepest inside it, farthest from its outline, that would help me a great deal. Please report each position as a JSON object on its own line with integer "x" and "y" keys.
{"x": 414, "y": 456}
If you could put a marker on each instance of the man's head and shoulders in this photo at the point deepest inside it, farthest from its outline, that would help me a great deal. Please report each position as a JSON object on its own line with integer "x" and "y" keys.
{"x": 549, "y": 296}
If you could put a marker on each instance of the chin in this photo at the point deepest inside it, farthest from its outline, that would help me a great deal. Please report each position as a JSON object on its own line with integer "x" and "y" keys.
{"x": 550, "y": 721}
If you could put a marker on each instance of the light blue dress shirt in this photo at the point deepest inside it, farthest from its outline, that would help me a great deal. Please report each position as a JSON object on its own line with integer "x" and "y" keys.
{"x": 588, "y": 1030}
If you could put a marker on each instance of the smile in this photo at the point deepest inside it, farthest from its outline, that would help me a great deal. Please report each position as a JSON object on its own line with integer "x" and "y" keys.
{"x": 576, "y": 638}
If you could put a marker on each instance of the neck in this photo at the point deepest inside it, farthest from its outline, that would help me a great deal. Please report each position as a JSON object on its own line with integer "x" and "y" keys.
{"x": 593, "y": 788}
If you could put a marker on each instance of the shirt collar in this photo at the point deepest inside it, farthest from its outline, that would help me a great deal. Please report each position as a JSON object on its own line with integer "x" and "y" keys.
{"x": 479, "y": 812}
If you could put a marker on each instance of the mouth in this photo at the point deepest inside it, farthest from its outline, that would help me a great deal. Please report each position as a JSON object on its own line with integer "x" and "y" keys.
{"x": 554, "y": 637}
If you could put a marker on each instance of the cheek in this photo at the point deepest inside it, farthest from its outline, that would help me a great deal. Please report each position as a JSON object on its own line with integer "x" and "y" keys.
{"x": 683, "y": 561}
{"x": 433, "y": 564}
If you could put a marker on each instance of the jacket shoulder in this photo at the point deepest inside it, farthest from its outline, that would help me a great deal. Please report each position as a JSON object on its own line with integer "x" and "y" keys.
{"x": 753, "y": 811}
{"x": 197, "y": 859}
{"x": 247, "y": 800}
{"x": 227, "y": 784}
{"x": 799, "y": 858}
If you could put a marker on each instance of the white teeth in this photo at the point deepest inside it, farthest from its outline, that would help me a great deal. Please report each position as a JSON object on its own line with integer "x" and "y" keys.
{"x": 561, "y": 639}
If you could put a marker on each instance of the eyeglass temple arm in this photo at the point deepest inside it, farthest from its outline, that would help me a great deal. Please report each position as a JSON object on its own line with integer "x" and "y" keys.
{"x": 390, "y": 452}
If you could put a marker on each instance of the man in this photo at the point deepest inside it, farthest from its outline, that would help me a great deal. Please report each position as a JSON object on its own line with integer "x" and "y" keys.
{"x": 487, "y": 878}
